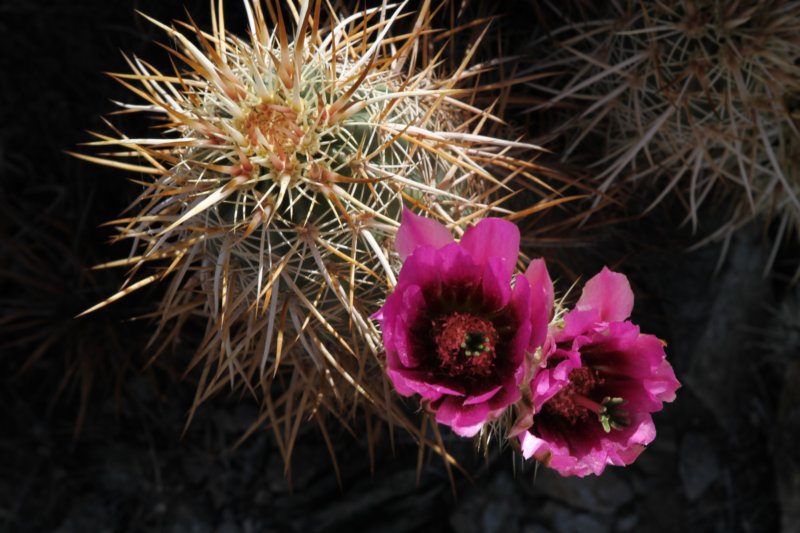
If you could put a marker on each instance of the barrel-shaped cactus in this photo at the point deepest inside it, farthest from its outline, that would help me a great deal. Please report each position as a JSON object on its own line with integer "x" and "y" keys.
{"x": 275, "y": 186}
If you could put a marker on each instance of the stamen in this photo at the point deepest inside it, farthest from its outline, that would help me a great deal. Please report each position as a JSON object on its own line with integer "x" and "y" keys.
{"x": 611, "y": 416}
{"x": 465, "y": 344}
{"x": 475, "y": 343}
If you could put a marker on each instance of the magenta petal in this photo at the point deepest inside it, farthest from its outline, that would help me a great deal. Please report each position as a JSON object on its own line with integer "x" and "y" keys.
{"x": 508, "y": 394}
{"x": 638, "y": 357}
{"x": 660, "y": 381}
{"x": 623, "y": 447}
{"x": 610, "y": 294}
{"x": 637, "y": 442}
{"x": 496, "y": 285}
{"x": 446, "y": 410}
{"x": 644, "y": 433}
{"x": 577, "y": 322}
{"x": 635, "y": 393}
{"x": 533, "y": 446}
{"x": 519, "y": 343}
{"x": 416, "y": 231}
{"x": 456, "y": 267}
{"x": 493, "y": 237}
{"x": 469, "y": 415}
{"x": 401, "y": 384}
{"x": 520, "y": 303}
{"x": 389, "y": 314}
{"x": 486, "y": 396}
{"x": 552, "y": 451}
{"x": 420, "y": 382}
{"x": 629, "y": 455}
{"x": 466, "y": 420}
{"x": 539, "y": 317}
{"x": 664, "y": 384}
{"x": 412, "y": 303}
{"x": 549, "y": 381}
{"x": 537, "y": 275}
{"x": 467, "y": 431}
{"x": 419, "y": 268}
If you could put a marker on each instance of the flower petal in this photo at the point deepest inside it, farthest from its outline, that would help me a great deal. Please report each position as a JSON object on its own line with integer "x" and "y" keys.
{"x": 401, "y": 384}
{"x": 416, "y": 231}
{"x": 493, "y": 237}
{"x": 549, "y": 381}
{"x": 413, "y": 303}
{"x": 537, "y": 275}
{"x": 661, "y": 383}
{"x": 486, "y": 396}
{"x": 539, "y": 317}
{"x": 457, "y": 268}
{"x": 639, "y": 358}
{"x": 533, "y": 446}
{"x": 552, "y": 452}
{"x": 610, "y": 294}
{"x": 467, "y": 431}
{"x": 509, "y": 394}
{"x": 576, "y": 323}
{"x": 421, "y": 383}
{"x": 495, "y": 285}
{"x": 466, "y": 420}
{"x": 623, "y": 447}
{"x": 402, "y": 309}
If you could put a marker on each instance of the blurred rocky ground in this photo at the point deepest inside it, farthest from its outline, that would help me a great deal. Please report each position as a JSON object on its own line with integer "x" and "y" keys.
{"x": 725, "y": 459}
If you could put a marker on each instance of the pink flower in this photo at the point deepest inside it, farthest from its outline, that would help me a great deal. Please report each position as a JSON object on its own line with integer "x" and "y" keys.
{"x": 601, "y": 380}
{"x": 456, "y": 329}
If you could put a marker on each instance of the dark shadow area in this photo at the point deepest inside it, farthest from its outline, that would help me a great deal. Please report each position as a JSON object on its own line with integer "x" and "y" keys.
{"x": 92, "y": 438}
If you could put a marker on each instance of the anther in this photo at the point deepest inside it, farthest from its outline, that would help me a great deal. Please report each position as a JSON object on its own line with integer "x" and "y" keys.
{"x": 611, "y": 415}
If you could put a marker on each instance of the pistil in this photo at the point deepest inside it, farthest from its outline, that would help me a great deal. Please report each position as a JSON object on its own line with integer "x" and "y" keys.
{"x": 612, "y": 416}
{"x": 609, "y": 412}
{"x": 476, "y": 343}
{"x": 465, "y": 344}
{"x": 574, "y": 402}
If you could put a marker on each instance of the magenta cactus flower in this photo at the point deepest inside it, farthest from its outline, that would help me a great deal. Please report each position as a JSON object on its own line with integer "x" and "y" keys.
{"x": 596, "y": 389}
{"x": 456, "y": 328}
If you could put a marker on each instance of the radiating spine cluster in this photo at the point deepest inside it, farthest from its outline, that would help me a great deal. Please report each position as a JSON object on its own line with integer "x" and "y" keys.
{"x": 696, "y": 98}
{"x": 275, "y": 189}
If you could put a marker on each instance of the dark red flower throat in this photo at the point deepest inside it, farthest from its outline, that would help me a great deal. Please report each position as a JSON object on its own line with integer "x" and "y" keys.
{"x": 568, "y": 403}
{"x": 574, "y": 402}
{"x": 465, "y": 344}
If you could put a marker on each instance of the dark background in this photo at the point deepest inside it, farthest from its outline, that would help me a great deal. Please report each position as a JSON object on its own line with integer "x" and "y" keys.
{"x": 90, "y": 440}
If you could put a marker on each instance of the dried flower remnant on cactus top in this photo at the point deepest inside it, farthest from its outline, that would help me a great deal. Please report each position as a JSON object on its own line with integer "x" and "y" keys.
{"x": 280, "y": 176}
{"x": 593, "y": 396}
{"x": 455, "y": 330}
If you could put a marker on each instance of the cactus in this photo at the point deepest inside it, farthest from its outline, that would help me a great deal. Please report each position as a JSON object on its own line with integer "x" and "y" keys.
{"x": 694, "y": 98}
{"x": 271, "y": 200}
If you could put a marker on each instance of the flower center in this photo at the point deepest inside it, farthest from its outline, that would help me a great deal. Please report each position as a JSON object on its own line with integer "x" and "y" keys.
{"x": 465, "y": 344}
{"x": 573, "y": 403}
{"x": 566, "y": 404}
